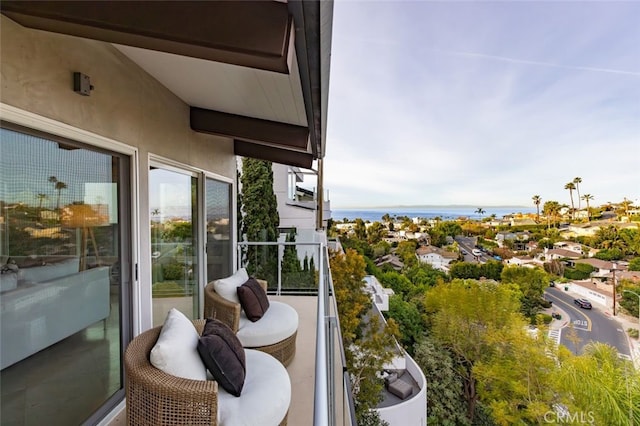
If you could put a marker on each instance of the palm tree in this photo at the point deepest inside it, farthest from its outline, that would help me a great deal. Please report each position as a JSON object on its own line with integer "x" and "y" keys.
{"x": 587, "y": 197}
{"x": 537, "y": 200}
{"x": 480, "y": 211}
{"x": 41, "y": 197}
{"x": 577, "y": 181}
{"x": 611, "y": 401}
{"x": 626, "y": 203}
{"x": 551, "y": 210}
{"x": 59, "y": 187}
{"x": 570, "y": 186}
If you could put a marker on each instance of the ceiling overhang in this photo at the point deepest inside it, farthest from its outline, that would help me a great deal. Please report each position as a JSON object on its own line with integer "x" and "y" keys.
{"x": 253, "y": 71}
{"x": 247, "y": 33}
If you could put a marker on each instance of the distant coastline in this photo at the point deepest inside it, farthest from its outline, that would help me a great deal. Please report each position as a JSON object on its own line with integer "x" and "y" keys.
{"x": 428, "y": 212}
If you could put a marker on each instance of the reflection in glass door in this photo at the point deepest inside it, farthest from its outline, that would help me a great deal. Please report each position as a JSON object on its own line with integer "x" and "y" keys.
{"x": 219, "y": 225}
{"x": 174, "y": 242}
{"x": 64, "y": 252}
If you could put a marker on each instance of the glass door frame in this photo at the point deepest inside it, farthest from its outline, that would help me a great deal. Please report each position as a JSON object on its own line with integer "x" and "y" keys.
{"x": 129, "y": 326}
{"x": 201, "y": 176}
{"x": 233, "y": 224}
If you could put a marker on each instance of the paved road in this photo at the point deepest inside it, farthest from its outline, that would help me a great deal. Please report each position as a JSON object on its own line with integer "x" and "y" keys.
{"x": 586, "y": 325}
{"x": 468, "y": 244}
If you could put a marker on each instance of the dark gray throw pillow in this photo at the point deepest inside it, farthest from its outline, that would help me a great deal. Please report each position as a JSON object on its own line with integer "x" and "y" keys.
{"x": 253, "y": 299}
{"x": 223, "y": 355}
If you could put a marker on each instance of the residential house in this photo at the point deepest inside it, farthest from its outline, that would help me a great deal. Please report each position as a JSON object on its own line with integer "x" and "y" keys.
{"x": 522, "y": 221}
{"x": 518, "y": 239}
{"x": 526, "y": 261}
{"x": 499, "y": 222}
{"x": 602, "y": 268}
{"x": 404, "y": 398}
{"x": 390, "y": 259}
{"x": 569, "y": 245}
{"x": 121, "y": 123}
{"x": 560, "y": 254}
{"x": 436, "y": 257}
{"x": 633, "y": 276}
{"x": 531, "y": 246}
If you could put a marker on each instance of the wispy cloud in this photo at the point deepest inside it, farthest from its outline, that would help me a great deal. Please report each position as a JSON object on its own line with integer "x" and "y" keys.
{"x": 537, "y": 63}
{"x": 482, "y": 103}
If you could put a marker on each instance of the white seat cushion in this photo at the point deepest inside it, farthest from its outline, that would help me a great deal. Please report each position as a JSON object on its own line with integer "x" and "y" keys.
{"x": 227, "y": 287}
{"x": 265, "y": 397}
{"x": 278, "y": 322}
{"x": 176, "y": 351}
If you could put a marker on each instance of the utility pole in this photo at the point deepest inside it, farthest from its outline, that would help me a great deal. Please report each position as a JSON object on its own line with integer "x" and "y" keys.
{"x": 614, "y": 288}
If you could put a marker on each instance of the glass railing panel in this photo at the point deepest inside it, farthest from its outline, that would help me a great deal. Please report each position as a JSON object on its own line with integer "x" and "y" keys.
{"x": 277, "y": 262}
{"x": 290, "y": 265}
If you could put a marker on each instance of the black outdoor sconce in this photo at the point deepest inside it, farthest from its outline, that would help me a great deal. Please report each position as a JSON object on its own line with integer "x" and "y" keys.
{"x": 82, "y": 84}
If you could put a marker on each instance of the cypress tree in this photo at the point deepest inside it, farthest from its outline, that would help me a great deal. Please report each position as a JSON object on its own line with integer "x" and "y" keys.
{"x": 260, "y": 219}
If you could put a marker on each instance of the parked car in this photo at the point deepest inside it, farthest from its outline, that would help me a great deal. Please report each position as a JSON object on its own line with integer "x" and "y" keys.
{"x": 583, "y": 303}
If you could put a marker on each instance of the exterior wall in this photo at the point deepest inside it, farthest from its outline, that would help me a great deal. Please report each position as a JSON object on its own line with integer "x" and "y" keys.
{"x": 302, "y": 214}
{"x": 128, "y": 108}
{"x": 591, "y": 295}
{"x": 413, "y": 411}
{"x": 290, "y": 215}
{"x": 435, "y": 260}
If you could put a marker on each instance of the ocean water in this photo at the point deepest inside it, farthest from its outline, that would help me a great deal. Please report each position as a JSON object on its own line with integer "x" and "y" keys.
{"x": 427, "y": 212}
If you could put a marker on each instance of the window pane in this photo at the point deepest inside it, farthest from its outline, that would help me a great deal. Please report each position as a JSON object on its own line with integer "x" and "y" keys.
{"x": 219, "y": 254}
{"x": 60, "y": 326}
{"x": 174, "y": 255}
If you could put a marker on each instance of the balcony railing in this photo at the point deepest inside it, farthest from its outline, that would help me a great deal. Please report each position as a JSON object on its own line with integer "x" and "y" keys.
{"x": 333, "y": 402}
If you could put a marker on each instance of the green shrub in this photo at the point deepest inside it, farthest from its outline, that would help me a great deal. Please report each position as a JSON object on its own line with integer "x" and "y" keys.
{"x": 545, "y": 318}
{"x": 582, "y": 271}
{"x": 633, "y": 332}
{"x": 545, "y": 303}
{"x": 173, "y": 271}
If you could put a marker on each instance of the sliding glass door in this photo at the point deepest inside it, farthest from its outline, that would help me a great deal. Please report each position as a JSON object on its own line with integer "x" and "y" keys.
{"x": 173, "y": 203}
{"x": 65, "y": 277}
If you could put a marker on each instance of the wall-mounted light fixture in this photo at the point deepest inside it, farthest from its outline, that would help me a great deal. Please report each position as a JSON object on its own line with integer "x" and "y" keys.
{"x": 82, "y": 84}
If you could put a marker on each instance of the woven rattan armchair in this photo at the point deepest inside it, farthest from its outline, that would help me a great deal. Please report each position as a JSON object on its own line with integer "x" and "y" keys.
{"x": 156, "y": 398}
{"x": 215, "y": 306}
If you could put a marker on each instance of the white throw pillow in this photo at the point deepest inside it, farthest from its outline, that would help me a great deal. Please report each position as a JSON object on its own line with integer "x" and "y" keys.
{"x": 227, "y": 287}
{"x": 176, "y": 351}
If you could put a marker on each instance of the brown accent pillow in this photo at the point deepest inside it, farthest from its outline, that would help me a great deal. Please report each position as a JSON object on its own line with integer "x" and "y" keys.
{"x": 253, "y": 299}
{"x": 223, "y": 355}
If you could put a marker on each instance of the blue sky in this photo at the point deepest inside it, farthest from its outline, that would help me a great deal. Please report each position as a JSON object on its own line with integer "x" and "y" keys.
{"x": 483, "y": 103}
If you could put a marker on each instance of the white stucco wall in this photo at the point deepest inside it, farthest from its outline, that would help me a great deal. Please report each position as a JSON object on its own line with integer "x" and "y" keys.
{"x": 413, "y": 411}
{"x": 128, "y": 111}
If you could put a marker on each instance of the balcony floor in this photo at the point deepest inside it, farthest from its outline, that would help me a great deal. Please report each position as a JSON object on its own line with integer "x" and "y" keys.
{"x": 302, "y": 368}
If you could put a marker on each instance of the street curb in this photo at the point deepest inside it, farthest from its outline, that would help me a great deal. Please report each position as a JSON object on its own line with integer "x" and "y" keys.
{"x": 634, "y": 348}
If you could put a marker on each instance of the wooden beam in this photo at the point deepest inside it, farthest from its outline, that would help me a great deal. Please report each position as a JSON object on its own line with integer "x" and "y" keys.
{"x": 270, "y": 153}
{"x": 249, "y": 129}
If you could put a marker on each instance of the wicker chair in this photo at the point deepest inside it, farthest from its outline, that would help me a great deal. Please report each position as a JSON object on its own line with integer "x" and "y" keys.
{"x": 156, "y": 398}
{"x": 229, "y": 312}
